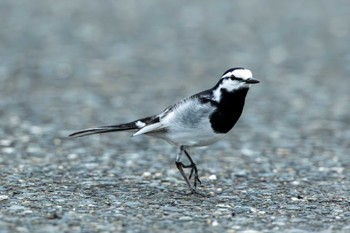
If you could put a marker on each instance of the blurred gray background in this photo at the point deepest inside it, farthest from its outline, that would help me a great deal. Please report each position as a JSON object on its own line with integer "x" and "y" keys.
{"x": 67, "y": 65}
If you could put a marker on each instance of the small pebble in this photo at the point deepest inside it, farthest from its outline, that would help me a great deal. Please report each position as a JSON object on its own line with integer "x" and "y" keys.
{"x": 8, "y": 150}
{"x": 5, "y": 142}
{"x": 185, "y": 218}
{"x": 146, "y": 174}
{"x": 4, "y": 197}
{"x": 158, "y": 174}
{"x": 247, "y": 152}
{"x": 212, "y": 177}
{"x": 34, "y": 150}
{"x": 72, "y": 156}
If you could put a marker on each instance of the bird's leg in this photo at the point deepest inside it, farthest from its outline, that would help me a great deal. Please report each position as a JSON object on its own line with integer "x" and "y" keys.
{"x": 180, "y": 167}
{"x": 194, "y": 169}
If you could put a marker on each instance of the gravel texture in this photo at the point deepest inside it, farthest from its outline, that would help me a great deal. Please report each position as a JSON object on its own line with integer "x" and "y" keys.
{"x": 67, "y": 65}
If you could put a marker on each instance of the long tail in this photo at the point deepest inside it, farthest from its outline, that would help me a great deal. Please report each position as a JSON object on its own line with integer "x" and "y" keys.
{"x": 134, "y": 125}
{"x": 104, "y": 129}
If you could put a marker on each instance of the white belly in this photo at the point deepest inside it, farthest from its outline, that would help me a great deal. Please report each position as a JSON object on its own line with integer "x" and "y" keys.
{"x": 183, "y": 139}
{"x": 201, "y": 135}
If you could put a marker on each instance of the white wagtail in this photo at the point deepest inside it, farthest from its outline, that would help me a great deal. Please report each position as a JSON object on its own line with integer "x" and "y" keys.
{"x": 198, "y": 120}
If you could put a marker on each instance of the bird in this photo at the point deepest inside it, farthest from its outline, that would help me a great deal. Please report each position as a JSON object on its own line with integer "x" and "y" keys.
{"x": 195, "y": 121}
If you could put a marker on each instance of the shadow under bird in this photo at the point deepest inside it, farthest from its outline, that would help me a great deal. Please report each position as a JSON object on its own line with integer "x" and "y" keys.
{"x": 199, "y": 120}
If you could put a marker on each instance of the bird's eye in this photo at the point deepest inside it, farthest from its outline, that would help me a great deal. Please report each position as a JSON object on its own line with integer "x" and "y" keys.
{"x": 235, "y": 78}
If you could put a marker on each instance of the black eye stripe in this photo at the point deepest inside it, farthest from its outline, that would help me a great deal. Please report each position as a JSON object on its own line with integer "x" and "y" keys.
{"x": 235, "y": 78}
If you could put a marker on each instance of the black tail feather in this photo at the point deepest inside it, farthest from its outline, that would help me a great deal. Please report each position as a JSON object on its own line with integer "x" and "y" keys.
{"x": 134, "y": 125}
{"x": 104, "y": 129}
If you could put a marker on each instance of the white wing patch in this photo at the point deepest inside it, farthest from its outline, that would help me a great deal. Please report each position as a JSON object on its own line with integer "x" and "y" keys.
{"x": 140, "y": 124}
{"x": 149, "y": 129}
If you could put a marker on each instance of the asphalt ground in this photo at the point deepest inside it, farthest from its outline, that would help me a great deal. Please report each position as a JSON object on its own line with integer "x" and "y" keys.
{"x": 68, "y": 65}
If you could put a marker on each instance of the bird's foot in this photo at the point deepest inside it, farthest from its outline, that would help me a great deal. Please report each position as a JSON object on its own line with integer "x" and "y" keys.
{"x": 193, "y": 192}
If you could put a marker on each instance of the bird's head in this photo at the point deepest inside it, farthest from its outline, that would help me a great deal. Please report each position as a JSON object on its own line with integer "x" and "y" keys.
{"x": 236, "y": 78}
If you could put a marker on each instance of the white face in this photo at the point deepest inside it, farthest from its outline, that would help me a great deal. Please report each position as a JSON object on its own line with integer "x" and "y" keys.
{"x": 236, "y": 79}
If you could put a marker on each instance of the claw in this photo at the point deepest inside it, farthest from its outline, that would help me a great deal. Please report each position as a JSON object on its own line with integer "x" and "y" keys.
{"x": 195, "y": 192}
